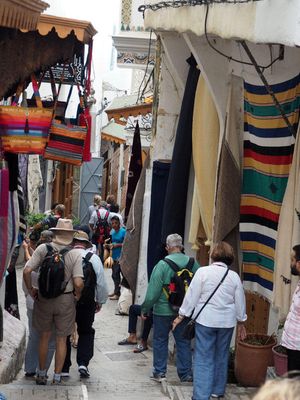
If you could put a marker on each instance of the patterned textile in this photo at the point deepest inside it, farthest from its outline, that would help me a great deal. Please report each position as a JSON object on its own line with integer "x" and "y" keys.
{"x": 4, "y": 202}
{"x": 66, "y": 143}
{"x": 34, "y": 182}
{"x": 268, "y": 152}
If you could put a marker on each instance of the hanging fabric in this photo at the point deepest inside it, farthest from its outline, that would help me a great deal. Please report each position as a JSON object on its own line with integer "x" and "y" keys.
{"x": 131, "y": 246}
{"x": 25, "y": 129}
{"x": 156, "y": 247}
{"x": 135, "y": 168}
{"x": 228, "y": 189}
{"x": 85, "y": 117}
{"x": 174, "y": 208}
{"x": 4, "y": 202}
{"x": 288, "y": 236}
{"x": 206, "y": 131}
{"x": 268, "y": 153}
{"x": 34, "y": 183}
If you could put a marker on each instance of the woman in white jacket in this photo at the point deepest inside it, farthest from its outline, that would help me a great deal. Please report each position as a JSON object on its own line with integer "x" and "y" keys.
{"x": 216, "y": 322}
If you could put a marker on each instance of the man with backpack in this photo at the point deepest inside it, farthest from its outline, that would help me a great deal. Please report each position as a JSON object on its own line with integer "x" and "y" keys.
{"x": 60, "y": 279}
{"x": 99, "y": 224}
{"x": 168, "y": 283}
{"x": 93, "y": 295}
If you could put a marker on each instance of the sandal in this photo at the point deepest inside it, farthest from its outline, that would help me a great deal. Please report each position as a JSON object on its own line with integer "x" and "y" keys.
{"x": 140, "y": 348}
{"x": 126, "y": 342}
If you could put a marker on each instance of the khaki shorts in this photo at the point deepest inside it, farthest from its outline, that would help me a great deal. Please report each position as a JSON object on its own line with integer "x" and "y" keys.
{"x": 59, "y": 312}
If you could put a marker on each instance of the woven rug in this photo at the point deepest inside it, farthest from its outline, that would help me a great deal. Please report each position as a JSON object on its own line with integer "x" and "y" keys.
{"x": 268, "y": 152}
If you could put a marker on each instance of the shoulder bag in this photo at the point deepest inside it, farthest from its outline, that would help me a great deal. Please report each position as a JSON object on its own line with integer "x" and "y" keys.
{"x": 189, "y": 330}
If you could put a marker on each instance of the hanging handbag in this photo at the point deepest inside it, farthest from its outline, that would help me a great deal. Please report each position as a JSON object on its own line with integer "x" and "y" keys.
{"x": 24, "y": 129}
{"x": 189, "y": 330}
{"x": 66, "y": 141}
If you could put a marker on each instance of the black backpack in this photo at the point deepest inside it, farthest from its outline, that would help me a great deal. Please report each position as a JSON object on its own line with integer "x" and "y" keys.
{"x": 90, "y": 280}
{"x": 52, "y": 281}
{"x": 102, "y": 231}
{"x": 180, "y": 281}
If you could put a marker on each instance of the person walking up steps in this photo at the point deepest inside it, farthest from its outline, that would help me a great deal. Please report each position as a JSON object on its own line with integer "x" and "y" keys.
{"x": 93, "y": 295}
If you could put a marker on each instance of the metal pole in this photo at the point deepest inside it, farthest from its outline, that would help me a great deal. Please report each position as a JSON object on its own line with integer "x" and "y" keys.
{"x": 267, "y": 86}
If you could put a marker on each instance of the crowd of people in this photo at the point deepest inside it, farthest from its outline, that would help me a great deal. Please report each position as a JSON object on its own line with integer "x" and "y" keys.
{"x": 213, "y": 299}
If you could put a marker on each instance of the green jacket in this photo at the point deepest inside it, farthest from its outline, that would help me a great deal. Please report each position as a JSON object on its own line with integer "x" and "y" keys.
{"x": 161, "y": 275}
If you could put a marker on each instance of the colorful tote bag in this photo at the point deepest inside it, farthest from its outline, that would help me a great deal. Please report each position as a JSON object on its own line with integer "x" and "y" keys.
{"x": 25, "y": 129}
{"x": 66, "y": 143}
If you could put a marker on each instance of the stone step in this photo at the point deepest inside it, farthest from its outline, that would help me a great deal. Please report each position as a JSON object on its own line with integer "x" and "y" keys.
{"x": 15, "y": 391}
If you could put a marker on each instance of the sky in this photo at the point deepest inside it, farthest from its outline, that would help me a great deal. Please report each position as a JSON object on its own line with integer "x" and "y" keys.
{"x": 105, "y": 17}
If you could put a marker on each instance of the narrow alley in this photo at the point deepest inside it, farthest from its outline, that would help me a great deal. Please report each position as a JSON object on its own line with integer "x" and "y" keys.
{"x": 116, "y": 372}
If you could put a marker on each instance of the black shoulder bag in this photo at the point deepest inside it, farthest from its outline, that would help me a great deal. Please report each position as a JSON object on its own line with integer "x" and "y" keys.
{"x": 189, "y": 330}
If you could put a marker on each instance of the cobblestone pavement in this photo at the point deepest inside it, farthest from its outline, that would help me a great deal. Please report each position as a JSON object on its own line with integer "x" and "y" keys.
{"x": 116, "y": 372}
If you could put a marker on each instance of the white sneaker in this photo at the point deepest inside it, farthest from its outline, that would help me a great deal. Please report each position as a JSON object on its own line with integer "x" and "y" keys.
{"x": 65, "y": 375}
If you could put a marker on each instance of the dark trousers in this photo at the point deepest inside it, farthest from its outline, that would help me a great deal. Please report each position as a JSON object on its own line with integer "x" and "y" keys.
{"x": 134, "y": 313}
{"x": 116, "y": 277}
{"x": 293, "y": 360}
{"x": 85, "y": 315}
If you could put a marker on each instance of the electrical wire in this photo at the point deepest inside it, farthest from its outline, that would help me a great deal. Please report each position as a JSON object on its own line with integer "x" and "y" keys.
{"x": 146, "y": 70}
{"x": 262, "y": 67}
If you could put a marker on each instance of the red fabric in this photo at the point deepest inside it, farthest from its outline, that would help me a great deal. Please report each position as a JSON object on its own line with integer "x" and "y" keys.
{"x": 83, "y": 120}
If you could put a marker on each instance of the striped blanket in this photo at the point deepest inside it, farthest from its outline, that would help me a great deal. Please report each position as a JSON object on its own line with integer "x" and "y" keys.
{"x": 268, "y": 152}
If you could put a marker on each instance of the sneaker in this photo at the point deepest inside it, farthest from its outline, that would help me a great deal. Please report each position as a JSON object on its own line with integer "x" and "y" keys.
{"x": 158, "y": 377}
{"x": 188, "y": 378}
{"x": 65, "y": 375}
{"x": 41, "y": 380}
{"x": 58, "y": 382}
{"x": 217, "y": 396}
{"x": 29, "y": 374}
{"x": 84, "y": 372}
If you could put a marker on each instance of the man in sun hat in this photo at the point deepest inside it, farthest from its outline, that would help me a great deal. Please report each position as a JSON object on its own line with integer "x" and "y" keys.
{"x": 59, "y": 311}
{"x": 88, "y": 305}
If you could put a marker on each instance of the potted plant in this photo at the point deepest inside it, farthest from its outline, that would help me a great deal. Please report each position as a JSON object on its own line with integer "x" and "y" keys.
{"x": 253, "y": 356}
{"x": 280, "y": 359}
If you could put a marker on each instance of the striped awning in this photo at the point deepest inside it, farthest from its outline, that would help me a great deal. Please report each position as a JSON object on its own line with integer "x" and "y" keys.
{"x": 21, "y": 14}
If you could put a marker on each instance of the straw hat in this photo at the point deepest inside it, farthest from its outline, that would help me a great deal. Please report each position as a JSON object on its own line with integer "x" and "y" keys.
{"x": 82, "y": 237}
{"x": 63, "y": 232}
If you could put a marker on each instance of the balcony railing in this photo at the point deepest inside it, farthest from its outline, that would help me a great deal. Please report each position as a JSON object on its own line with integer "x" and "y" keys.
{"x": 185, "y": 3}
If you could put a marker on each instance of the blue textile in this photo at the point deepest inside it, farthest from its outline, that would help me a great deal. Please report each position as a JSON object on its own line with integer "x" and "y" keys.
{"x": 211, "y": 361}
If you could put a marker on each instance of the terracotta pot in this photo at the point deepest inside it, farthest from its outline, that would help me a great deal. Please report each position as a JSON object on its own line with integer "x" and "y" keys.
{"x": 252, "y": 361}
{"x": 280, "y": 361}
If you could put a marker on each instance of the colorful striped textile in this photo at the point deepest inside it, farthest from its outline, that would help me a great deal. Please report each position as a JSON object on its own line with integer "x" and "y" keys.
{"x": 268, "y": 152}
{"x": 66, "y": 143}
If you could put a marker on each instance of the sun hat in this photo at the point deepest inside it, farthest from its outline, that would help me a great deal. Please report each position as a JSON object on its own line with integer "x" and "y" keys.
{"x": 63, "y": 232}
{"x": 82, "y": 237}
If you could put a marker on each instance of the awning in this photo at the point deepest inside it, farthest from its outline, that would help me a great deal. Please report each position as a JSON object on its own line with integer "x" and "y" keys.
{"x": 253, "y": 20}
{"x": 114, "y": 132}
{"x": 83, "y": 30}
{"x": 125, "y": 106}
{"x": 21, "y": 14}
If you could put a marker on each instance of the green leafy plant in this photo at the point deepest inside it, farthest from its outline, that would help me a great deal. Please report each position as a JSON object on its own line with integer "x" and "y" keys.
{"x": 32, "y": 219}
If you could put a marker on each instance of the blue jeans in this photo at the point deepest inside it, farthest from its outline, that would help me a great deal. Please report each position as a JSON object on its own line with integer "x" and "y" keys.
{"x": 211, "y": 361}
{"x": 32, "y": 350}
{"x": 162, "y": 325}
